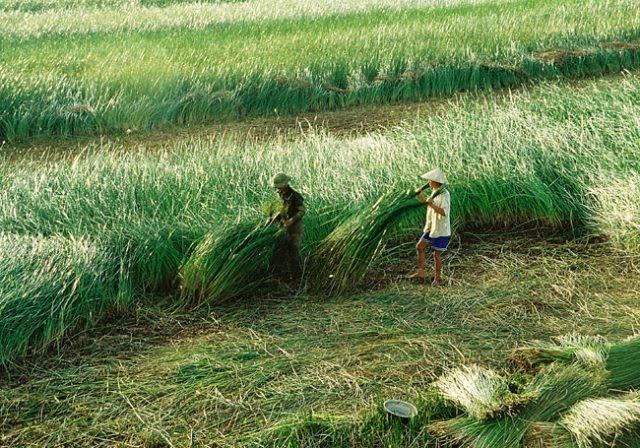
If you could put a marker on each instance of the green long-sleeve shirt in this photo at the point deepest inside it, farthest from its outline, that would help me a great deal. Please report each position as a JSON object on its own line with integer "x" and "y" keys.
{"x": 292, "y": 205}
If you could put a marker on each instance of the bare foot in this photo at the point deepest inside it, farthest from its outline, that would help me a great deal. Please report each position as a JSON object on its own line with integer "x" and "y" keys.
{"x": 437, "y": 282}
{"x": 418, "y": 276}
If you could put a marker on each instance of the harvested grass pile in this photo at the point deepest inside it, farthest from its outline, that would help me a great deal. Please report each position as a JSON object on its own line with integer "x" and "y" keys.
{"x": 623, "y": 364}
{"x": 580, "y": 400}
{"x": 229, "y": 264}
{"x": 567, "y": 348}
{"x": 600, "y": 421}
{"x": 480, "y": 392}
{"x": 504, "y": 432}
{"x": 621, "y": 360}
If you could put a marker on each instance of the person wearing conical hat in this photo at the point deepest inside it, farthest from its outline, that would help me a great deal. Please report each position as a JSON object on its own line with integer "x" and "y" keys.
{"x": 437, "y": 229}
{"x": 293, "y": 209}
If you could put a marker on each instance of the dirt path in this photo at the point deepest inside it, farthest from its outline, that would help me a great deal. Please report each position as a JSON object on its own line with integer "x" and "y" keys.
{"x": 345, "y": 122}
{"x": 341, "y": 122}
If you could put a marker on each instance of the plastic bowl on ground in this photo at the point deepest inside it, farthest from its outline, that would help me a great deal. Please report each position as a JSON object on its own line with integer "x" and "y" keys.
{"x": 399, "y": 408}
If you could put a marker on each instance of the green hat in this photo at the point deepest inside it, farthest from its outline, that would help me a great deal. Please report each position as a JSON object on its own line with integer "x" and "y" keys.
{"x": 280, "y": 180}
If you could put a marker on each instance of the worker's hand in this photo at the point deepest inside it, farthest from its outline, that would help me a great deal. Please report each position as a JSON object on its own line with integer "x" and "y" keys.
{"x": 421, "y": 195}
{"x": 288, "y": 222}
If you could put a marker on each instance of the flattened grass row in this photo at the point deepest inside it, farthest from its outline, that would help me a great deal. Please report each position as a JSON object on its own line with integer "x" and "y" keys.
{"x": 103, "y": 81}
{"x": 163, "y": 221}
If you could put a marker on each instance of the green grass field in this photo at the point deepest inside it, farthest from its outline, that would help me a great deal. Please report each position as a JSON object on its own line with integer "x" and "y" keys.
{"x": 137, "y": 143}
{"x": 86, "y": 70}
{"x": 128, "y": 223}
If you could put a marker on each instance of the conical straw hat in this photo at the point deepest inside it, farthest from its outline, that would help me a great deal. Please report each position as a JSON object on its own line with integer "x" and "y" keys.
{"x": 436, "y": 176}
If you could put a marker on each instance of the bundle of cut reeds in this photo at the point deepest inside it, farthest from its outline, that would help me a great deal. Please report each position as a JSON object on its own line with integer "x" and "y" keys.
{"x": 223, "y": 266}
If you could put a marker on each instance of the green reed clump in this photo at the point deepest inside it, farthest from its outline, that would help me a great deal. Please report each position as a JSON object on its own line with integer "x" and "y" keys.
{"x": 587, "y": 350}
{"x": 480, "y": 392}
{"x": 599, "y": 422}
{"x": 466, "y": 432}
{"x": 228, "y": 263}
{"x": 558, "y": 387}
{"x": 623, "y": 364}
{"x": 548, "y": 435}
{"x": 347, "y": 253}
{"x": 621, "y": 360}
{"x": 151, "y": 254}
{"x": 51, "y": 286}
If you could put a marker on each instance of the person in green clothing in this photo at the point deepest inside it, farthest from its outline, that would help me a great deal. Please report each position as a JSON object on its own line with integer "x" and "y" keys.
{"x": 290, "y": 217}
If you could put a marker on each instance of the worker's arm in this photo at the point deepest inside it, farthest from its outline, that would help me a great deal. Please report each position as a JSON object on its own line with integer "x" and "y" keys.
{"x": 422, "y": 198}
{"x": 297, "y": 217}
{"x": 439, "y": 210}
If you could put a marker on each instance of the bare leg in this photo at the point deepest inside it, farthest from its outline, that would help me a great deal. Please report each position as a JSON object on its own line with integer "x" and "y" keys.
{"x": 437, "y": 257}
{"x": 421, "y": 247}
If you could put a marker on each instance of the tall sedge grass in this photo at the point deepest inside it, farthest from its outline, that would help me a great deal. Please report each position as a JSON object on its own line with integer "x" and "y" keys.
{"x": 82, "y": 16}
{"x": 526, "y": 160}
{"x": 50, "y": 285}
{"x": 112, "y": 69}
{"x": 229, "y": 264}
